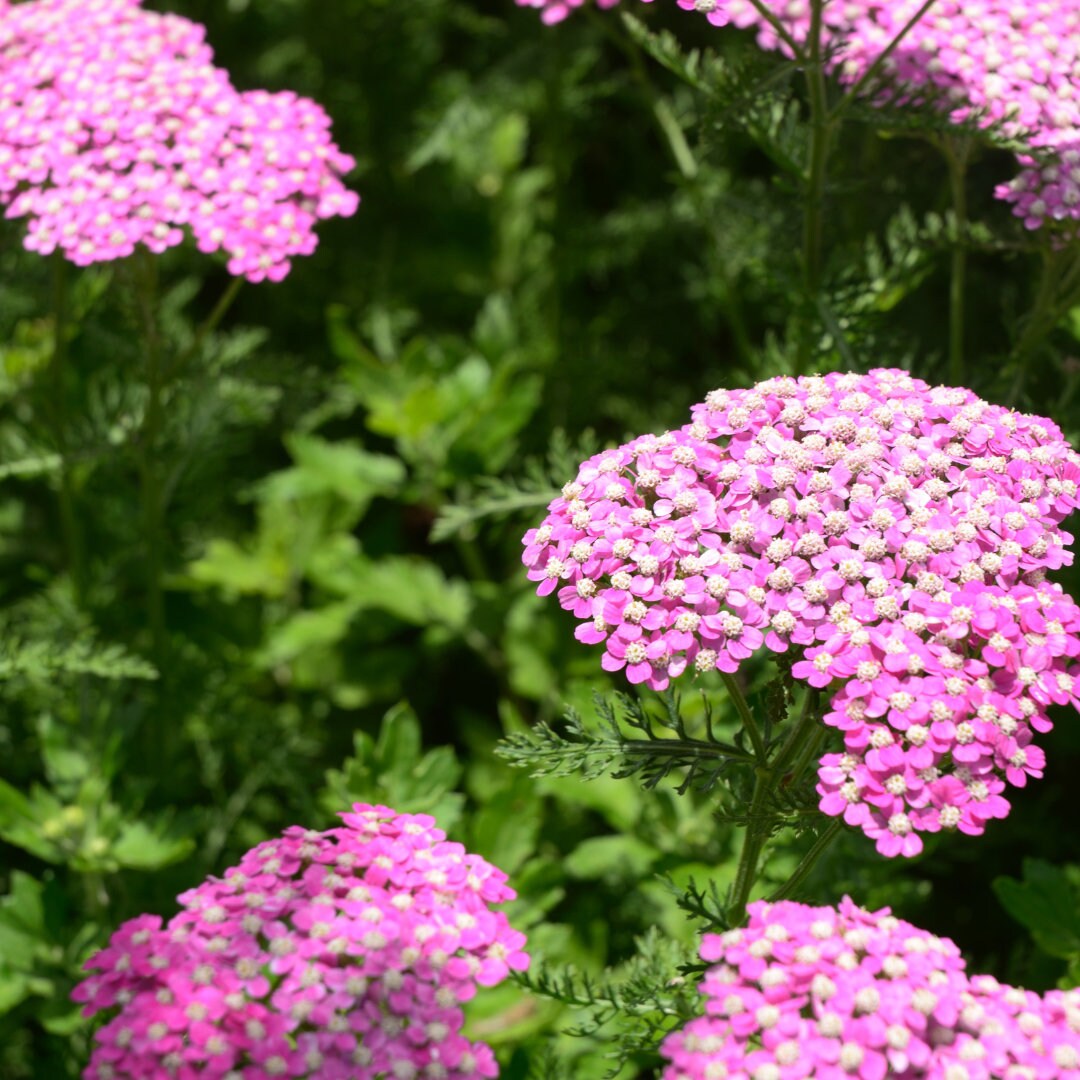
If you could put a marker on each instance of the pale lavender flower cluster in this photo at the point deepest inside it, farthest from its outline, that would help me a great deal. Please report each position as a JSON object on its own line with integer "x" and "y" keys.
{"x": 117, "y": 130}
{"x": 843, "y": 994}
{"x": 342, "y": 955}
{"x": 890, "y": 538}
{"x": 1001, "y": 62}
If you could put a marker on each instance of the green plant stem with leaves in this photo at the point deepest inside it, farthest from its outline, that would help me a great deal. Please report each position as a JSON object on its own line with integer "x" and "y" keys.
{"x": 957, "y": 152}
{"x": 145, "y": 288}
{"x": 1057, "y": 293}
{"x": 58, "y": 371}
{"x": 773, "y": 771}
{"x": 689, "y": 172}
{"x": 821, "y": 135}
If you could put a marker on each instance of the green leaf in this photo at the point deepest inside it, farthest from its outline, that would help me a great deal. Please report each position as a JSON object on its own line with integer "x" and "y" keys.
{"x": 505, "y": 829}
{"x": 619, "y": 858}
{"x": 43, "y": 661}
{"x": 31, "y": 823}
{"x": 26, "y": 468}
{"x": 142, "y": 846}
{"x": 394, "y": 770}
{"x": 341, "y": 468}
{"x": 1047, "y": 903}
{"x": 22, "y": 923}
{"x": 227, "y": 566}
{"x": 307, "y": 630}
{"x": 411, "y": 589}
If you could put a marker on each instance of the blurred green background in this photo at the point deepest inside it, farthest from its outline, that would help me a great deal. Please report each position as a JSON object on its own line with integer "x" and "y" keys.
{"x": 561, "y": 243}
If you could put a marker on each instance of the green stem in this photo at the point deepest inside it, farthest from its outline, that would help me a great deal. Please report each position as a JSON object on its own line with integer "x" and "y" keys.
{"x": 207, "y": 327}
{"x": 746, "y": 716}
{"x": 758, "y": 825}
{"x": 956, "y": 155}
{"x": 802, "y": 871}
{"x": 820, "y": 137}
{"x": 872, "y": 72}
{"x": 145, "y": 273}
{"x": 687, "y": 164}
{"x": 757, "y": 833}
{"x": 1058, "y": 292}
{"x": 781, "y": 30}
{"x": 69, "y": 519}
{"x": 806, "y": 725}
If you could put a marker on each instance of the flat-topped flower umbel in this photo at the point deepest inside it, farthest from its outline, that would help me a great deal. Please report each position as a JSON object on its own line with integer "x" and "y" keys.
{"x": 845, "y": 994}
{"x": 116, "y": 130}
{"x": 890, "y": 539}
{"x": 338, "y": 955}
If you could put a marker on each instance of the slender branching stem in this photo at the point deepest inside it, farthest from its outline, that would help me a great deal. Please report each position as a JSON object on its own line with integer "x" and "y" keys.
{"x": 69, "y": 519}
{"x": 804, "y": 727}
{"x": 689, "y": 170}
{"x": 781, "y": 30}
{"x": 956, "y": 153}
{"x": 816, "y": 169}
{"x": 1058, "y": 292}
{"x": 805, "y": 730}
{"x": 874, "y": 70}
{"x": 758, "y": 827}
{"x": 146, "y": 299}
{"x": 809, "y": 860}
{"x": 206, "y": 328}
{"x": 746, "y": 715}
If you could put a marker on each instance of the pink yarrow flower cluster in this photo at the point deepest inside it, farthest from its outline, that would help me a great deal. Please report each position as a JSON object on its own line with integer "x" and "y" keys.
{"x": 342, "y": 955}
{"x": 890, "y": 539}
{"x": 1001, "y": 62}
{"x": 117, "y": 130}
{"x": 843, "y": 994}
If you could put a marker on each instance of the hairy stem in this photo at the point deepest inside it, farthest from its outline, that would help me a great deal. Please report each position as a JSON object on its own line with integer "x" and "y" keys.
{"x": 871, "y": 73}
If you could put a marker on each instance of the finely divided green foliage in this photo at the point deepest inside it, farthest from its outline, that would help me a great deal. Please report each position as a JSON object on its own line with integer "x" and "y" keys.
{"x": 567, "y": 235}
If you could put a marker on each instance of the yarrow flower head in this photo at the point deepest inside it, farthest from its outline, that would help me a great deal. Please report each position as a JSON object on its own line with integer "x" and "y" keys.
{"x": 999, "y": 63}
{"x": 844, "y": 994}
{"x": 889, "y": 538}
{"x": 117, "y": 130}
{"x": 338, "y": 954}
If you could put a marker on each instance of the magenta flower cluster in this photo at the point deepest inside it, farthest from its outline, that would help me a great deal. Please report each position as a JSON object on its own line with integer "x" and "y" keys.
{"x": 117, "y": 130}
{"x": 999, "y": 62}
{"x": 342, "y": 955}
{"x": 843, "y": 994}
{"x": 889, "y": 539}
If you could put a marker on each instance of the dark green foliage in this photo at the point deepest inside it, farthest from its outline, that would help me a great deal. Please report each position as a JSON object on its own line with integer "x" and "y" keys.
{"x": 567, "y": 235}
